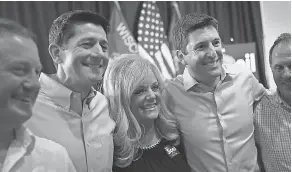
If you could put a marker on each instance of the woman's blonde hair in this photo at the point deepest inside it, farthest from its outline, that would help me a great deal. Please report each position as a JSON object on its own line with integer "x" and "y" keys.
{"x": 120, "y": 80}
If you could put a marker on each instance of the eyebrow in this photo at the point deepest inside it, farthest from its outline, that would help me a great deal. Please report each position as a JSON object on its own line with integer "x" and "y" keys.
{"x": 100, "y": 39}
{"x": 216, "y": 39}
{"x": 23, "y": 62}
{"x": 143, "y": 86}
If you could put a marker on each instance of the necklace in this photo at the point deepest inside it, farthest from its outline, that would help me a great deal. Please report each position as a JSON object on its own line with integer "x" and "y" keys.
{"x": 151, "y": 146}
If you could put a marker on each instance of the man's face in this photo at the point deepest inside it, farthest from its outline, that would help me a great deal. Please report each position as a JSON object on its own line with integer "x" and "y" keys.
{"x": 281, "y": 67}
{"x": 204, "y": 53}
{"x": 19, "y": 72}
{"x": 86, "y": 56}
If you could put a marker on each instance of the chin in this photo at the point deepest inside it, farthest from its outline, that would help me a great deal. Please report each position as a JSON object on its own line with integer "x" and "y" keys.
{"x": 215, "y": 73}
{"x": 95, "y": 81}
{"x": 286, "y": 90}
{"x": 20, "y": 118}
{"x": 152, "y": 115}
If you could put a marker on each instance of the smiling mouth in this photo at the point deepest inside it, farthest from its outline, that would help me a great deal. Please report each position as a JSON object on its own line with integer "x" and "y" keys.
{"x": 26, "y": 100}
{"x": 150, "y": 107}
{"x": 93, "y": 65}
{"x": 212, "y": 63}
{"x": 287, "y": 84}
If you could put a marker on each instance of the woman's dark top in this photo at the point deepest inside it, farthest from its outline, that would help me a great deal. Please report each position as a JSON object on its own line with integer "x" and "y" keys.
{"x": 164, "y": 157}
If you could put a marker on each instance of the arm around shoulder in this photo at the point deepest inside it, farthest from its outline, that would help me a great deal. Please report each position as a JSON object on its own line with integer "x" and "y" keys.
{"x": 258, "y": 89}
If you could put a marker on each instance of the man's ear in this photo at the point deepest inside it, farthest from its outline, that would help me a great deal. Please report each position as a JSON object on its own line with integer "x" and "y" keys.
{"x": 181, "y": 56}
{"x": 55, "y": 52}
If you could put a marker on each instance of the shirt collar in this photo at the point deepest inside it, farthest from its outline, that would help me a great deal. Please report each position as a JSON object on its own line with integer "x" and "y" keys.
{"x": 23, "y": 137}
{"x": 22, "y": 145}
{"x": 58, "y": 92}
{"x": 189, "y": 81}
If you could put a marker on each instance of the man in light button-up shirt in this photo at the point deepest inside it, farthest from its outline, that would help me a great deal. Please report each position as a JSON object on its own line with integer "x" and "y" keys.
{"x": 68, "y": 111}
{"x": 31, "y": 153}
{"x": 21, "y": 151}
{"x": 213, "y": 103}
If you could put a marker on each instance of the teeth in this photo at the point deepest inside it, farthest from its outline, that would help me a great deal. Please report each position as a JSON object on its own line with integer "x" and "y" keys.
{"x": 150, "y": 107}
{"x": 211, "y": 63}
{"x": 24, "y": 99}
{"x": 93, "y": 65}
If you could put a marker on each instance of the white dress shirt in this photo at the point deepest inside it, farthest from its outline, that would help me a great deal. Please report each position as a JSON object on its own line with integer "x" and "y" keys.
{"x": 29, "y": 153}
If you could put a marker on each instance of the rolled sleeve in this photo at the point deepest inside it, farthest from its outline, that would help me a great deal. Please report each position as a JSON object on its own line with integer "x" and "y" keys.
{"x": 258, "y": 89}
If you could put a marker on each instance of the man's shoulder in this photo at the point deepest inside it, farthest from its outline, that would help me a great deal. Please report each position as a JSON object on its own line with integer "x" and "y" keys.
{"x": 236, "y": 69}
{"x": 267, "y": 103}
{"x": 51, "y": 155}
{"x": 174, "y": 82}
{"x": 270, "y": 98}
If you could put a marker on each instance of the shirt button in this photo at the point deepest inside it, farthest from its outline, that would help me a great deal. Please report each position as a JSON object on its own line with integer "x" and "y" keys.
{"x": 229, "y": 164}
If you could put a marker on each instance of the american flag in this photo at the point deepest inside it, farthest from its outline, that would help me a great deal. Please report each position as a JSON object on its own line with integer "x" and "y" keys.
{"x": 153, "y": 40}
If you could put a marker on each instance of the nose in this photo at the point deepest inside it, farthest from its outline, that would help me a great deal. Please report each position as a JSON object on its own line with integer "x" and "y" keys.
{"x": 287, "y": 72}
{"x": 97, "y": 48}
{"x": 99, "y": 55}
{"x": 151, "y": 94}
{"x": 211, "y": 52}
{"x": 32, "y": 82}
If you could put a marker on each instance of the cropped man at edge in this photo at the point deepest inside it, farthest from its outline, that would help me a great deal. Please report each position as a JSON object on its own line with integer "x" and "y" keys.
{"x": 20, "y": 66}
{"x": 272, "y": 117}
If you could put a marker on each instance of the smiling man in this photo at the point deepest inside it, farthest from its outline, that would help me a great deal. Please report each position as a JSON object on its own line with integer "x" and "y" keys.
{"x": 20, "y": 67}
{"x": 213, "y": 103}
{"x": 273, "y": 113}
{"x": 68, "y": 110}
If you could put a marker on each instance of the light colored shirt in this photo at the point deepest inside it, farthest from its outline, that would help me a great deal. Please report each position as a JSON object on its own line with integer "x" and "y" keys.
{"x": 28, "y": 153}
{"x": 84, "y": 129}
{"x": 273, "y": 133}
{"x": 217, "y": 125}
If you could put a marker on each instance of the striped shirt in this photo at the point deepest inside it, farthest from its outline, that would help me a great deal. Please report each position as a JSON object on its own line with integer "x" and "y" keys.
{"x": 272, "y": 133}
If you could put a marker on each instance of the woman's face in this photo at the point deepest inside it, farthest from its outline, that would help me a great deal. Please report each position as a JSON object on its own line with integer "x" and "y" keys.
{"x": 145, "y": 99}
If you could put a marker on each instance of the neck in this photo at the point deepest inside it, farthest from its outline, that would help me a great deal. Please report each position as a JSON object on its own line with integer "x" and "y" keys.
{"x": 6, "y": 137}
{"x": 82, "y": 88}
{"x": 285, "y": 97}
{"x": 150, "y": 135}
{"x": 208, "y": 81}
{"x": 211, "y": 82}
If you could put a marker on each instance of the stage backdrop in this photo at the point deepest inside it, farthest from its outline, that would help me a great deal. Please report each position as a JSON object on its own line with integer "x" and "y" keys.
{"x": 238, "y": 21}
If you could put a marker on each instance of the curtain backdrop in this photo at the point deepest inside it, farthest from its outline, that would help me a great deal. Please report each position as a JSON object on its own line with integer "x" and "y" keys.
{"x": 238, "y": 20}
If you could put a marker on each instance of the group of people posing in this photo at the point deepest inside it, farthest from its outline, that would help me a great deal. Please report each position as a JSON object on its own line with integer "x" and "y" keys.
{"x": 212, "y": 118}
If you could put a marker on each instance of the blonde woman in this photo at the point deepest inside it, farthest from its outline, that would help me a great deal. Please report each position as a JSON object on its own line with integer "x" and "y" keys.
{"x": 146, "y": 136}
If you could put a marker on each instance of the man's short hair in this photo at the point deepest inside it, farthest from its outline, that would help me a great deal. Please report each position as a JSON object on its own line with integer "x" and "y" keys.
{"x": 11, "y": 28}
{"x": 61, "y": 30}
{"x": 283, "y": 38}
{"x": 190, "y": 23}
